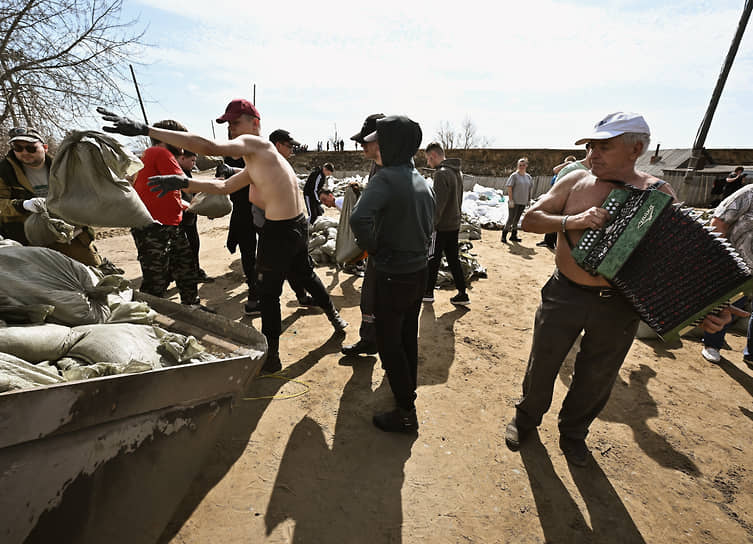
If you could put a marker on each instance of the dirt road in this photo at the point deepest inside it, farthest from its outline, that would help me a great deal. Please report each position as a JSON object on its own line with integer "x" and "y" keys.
{"x": 671, "y": 451}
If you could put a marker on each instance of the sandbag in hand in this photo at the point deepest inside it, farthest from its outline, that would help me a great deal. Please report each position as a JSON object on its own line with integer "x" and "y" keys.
{"x": 123, "y": 125}
{"x": 166, "y": 184}
{"x": 223, "y": 171}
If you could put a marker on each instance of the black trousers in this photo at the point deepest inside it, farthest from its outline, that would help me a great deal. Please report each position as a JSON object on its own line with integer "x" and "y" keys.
{"x": 367, "y": 331}
{"x": 608, "y": 323}
{"x": 398, "y": 303}
{"x": 283, "y": 252}
{"x": 242, "y": 234}
{"x": 445, "y": 242}
{"x": 189, "y": 226}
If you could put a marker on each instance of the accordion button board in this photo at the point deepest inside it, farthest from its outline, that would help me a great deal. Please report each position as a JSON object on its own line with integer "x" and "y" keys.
{"x": 670, "y": 267}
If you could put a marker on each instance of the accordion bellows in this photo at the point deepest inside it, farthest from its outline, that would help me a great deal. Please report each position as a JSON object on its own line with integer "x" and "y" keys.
{"x": 670, "y": 266}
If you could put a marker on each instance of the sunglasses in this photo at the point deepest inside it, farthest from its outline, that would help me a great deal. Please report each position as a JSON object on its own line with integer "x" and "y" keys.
{"x": 19, "y": 148}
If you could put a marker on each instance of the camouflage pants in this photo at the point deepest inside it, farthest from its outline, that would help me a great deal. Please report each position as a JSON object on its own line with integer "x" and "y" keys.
{"x": 165, "y": 254}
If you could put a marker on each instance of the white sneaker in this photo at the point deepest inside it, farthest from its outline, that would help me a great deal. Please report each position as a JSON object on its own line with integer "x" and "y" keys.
{"x": 711, "y": 355}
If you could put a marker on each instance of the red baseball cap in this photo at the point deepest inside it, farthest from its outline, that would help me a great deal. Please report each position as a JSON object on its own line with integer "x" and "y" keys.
{"x": 236, "y": 108}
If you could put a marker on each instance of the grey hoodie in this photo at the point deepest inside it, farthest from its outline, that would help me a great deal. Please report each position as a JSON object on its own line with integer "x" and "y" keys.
{"x": 448, "y": 190}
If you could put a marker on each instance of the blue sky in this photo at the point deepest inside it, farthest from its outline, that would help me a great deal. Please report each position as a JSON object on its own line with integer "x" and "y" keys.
{"x": 529, "y": 74}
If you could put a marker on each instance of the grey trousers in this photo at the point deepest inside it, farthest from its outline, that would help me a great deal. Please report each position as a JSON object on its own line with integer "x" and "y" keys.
{"x": 609, "y": 324}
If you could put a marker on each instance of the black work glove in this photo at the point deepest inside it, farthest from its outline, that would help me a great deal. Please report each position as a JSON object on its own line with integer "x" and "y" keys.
{"x": 223, "y": 171}
{"x": 123, "y": 125}
{"x": 165, "y": 184}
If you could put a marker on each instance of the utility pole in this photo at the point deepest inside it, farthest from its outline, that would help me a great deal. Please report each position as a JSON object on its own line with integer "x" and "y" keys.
{"x": 696, "y": 157}
{"x": 253, "y": 99}
{"x": 143, "y": 111}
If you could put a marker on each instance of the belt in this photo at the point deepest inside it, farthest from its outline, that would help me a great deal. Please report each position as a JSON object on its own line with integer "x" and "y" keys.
{"x": 602, "y": 292}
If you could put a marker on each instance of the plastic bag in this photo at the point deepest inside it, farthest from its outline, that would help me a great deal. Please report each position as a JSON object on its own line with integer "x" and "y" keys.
{"x": 87, "y": 185}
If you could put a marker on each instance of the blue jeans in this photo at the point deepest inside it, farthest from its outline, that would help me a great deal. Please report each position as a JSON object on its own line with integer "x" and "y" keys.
{"x": 716, "y": 340}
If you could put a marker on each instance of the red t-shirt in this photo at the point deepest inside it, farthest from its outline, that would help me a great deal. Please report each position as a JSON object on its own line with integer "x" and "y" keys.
{"x": 158, "y": 161}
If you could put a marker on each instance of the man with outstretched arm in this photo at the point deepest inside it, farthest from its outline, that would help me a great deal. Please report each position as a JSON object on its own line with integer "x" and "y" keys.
{"x": 574, "y": 301}
{"x": 273, "y": 186}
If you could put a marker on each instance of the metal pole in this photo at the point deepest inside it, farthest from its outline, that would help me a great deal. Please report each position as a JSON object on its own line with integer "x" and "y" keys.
{"x": 214, "y": 136}
{"x": 138, "y": 93}
{"x": 700, "y": 138}
{"x": 254, "y": 98}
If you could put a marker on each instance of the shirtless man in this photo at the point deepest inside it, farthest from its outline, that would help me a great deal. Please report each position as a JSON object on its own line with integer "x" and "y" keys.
{"x": 574, "y": 301}
{"x": 273, "y": 186}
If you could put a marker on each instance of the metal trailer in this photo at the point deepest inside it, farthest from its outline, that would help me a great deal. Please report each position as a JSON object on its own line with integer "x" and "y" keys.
{"x": 110, "y": 459}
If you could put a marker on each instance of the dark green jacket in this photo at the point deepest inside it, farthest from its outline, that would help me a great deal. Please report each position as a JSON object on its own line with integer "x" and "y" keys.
{"x": 448, "y": 189}
{"x": 394, "y": 218}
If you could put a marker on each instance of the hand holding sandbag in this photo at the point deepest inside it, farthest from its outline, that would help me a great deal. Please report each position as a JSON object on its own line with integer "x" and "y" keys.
{"x": 165, "y": 184}
{"x": 35, "y": 205}
{"x": 123, "y": 125}
{"x": 223, "y": 171}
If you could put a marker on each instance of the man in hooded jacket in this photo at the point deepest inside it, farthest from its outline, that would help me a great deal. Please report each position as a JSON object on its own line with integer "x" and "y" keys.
{"x": 448, "y": 190}
{"x": 393, "y": 221}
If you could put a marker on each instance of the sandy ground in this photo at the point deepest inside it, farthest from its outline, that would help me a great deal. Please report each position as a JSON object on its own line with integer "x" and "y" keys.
{"x": 670, "y": 451}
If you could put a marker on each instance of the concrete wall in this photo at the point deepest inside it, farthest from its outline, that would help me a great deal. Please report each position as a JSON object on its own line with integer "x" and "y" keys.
{"x": 495, "y": 163}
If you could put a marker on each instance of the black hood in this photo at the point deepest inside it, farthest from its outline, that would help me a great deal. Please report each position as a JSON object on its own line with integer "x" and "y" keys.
{"x": 399, "y": 139}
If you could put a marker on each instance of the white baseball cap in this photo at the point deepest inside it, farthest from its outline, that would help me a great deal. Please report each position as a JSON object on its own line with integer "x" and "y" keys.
{"x": 615, "y": 124}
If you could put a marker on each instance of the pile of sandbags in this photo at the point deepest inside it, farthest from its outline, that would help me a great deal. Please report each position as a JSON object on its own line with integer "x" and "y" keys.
{"x": 472, "y": 269}
{"x": 67, "y": 322}
{"x": 323, "y": 240}
{"x": 485, "y": 207}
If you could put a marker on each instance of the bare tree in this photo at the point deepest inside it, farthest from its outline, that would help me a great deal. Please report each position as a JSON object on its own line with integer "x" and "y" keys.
{"x": 465, "y": 138}
{"x": 59, "y": 58}
{"x": 447, "y": 135}
{"x": 469, "y": 137}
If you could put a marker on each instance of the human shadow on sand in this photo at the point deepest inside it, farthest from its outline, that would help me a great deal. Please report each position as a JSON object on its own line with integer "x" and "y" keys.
{"x": 631, "y": 404}
{"x": 558, "y": 513}
{"x": 236, "y": 435}
{"x": 350, "y": 492}
{"x": 436, "y": 369}
{"x": 740, "y": 376}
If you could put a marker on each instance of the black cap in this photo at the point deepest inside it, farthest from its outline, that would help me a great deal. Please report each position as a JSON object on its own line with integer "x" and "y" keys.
{"x": 282, "y": 136}
{"x": 369, "y": 126}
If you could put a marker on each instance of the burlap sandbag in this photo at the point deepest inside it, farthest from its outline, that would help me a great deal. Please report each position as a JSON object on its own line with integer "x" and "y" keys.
{"x": 123, "y": 343}
{"x": 15, "y": 373}
{"x": 211, "y": 205}
{"x": 39, "y": 277}
{"x": 43, "y": 230}
{"x": 87, "y": 185}
{"x": 36, "y": 343}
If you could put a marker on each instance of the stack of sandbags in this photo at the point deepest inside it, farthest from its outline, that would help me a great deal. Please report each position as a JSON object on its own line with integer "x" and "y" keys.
{"x": 485, "y": 207}
{"x": 472, "y": 269}
{"x": 323, "y": 240}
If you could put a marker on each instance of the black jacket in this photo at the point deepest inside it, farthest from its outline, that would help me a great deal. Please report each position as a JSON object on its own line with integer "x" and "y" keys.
{"x": 394, "y": 218}
{"x": 311, "y": 189}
